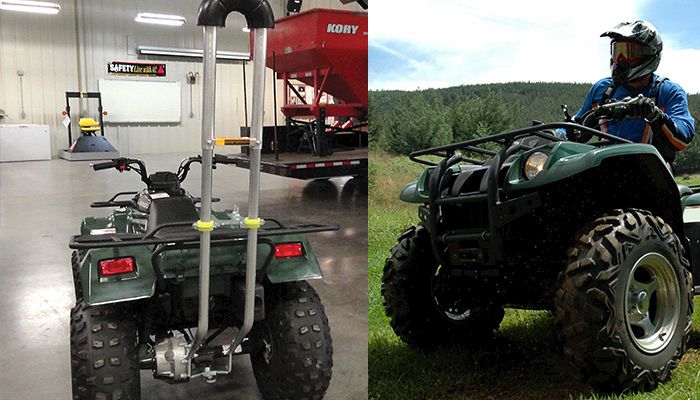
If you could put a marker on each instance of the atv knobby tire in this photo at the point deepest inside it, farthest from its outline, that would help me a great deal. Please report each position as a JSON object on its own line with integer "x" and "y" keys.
{"x": 104, "y": 361}
{"x": 409, "y": 299}
{"x": 292, "y": 354}
{"x": 598, "y": 304}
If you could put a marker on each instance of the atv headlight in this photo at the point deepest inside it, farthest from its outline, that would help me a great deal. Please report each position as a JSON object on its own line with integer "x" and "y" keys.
{"x": 534, "y": 164}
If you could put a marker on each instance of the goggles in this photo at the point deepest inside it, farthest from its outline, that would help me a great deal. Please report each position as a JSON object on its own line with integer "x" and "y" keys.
{"x": 627, "y": 51}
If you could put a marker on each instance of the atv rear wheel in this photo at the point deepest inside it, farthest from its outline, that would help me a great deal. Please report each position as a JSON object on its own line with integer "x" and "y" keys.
{"x": 624, "y": 304}
{"x": 292, "y": 352}
{"x": 104, "y": 361}
{"x": 424, "y": 308}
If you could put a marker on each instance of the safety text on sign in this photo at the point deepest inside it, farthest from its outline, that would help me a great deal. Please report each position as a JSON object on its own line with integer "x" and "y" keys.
{"x": 138, "y": 69}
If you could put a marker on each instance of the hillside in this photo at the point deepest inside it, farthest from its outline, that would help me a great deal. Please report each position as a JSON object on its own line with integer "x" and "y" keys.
{"x": 404, "y": 121}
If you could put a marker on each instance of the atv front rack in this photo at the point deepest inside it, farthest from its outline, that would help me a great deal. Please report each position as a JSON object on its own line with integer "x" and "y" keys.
{"x": 272, "y": 227}
{"x": 497, "y": 210}
{"x": 506, "y": 139}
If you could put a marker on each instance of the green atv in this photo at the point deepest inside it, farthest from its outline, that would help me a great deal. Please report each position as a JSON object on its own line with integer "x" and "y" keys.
{"x": 598, "y": 232}
{"x": 159, "y": 265}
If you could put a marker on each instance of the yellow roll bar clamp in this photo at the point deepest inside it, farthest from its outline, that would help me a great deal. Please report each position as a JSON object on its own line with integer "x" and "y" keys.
{"x": 204, "y": 226}
{"x": 252, "y": 223}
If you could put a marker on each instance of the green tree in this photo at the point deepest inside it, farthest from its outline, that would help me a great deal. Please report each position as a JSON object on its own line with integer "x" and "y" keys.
{"x": 416, "y": 123}
{"x": 479, "y": 116}
{"x": 689, "y": 160}
{"x": 375, "y": 127}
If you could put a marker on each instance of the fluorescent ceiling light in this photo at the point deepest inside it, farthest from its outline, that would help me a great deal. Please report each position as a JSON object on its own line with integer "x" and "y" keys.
{"x": 39, "y": 7}
{"x": 160, "y": 19}
{"x": 190, "y": 53}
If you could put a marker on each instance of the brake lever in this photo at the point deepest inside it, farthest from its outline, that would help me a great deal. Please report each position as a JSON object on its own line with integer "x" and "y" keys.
{"x": 567, "y": 116}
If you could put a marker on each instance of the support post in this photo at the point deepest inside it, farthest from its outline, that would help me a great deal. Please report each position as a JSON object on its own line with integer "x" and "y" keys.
{"x": 205, "y": 224}
{"x": 252, "y": 221}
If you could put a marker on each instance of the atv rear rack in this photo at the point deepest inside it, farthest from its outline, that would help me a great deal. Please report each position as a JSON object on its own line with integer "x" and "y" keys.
{"x": 497, "y": 211}
{"x": 87, "y": 242}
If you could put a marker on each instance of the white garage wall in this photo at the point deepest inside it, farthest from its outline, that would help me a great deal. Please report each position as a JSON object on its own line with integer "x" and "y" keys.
{"x": 109, "y": 33}
{"x": 45, "y": 48}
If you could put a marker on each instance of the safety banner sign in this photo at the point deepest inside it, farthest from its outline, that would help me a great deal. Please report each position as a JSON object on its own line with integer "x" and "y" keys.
{"x": 136, "y": 69}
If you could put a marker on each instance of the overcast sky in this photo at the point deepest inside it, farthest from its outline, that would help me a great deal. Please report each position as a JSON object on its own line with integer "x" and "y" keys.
{"x": 440, "y": 43}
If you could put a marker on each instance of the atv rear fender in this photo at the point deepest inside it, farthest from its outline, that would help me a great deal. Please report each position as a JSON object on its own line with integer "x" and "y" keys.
{"x": 176, "y": 263}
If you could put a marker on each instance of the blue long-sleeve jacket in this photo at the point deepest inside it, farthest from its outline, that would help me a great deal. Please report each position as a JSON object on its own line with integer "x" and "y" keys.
{"x": 669, "y": 134}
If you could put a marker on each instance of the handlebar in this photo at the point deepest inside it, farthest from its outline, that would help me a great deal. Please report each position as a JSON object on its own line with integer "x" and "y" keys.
{"x": 222, "y": 159}
{"x": 185, "y": 164}
{"x": 128, "y": 164}
{"x": 104, "y": 165}
{"x": 615, "y": 110}
{"x": 125, "y": 164}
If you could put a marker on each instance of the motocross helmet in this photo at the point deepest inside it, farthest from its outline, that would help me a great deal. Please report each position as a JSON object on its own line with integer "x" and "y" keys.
{"x": 635, "y": 50}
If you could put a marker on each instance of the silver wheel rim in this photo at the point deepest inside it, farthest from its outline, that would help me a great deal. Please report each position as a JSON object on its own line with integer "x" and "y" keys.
{"x": 652, "y": 303}
{"x": 451, "y": 312}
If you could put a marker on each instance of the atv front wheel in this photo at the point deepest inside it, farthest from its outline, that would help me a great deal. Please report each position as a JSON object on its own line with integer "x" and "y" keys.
{"x": 425, "y": 306}
{"x": 292, "y": 352}
{"x": 104, "y": 361}
{"x": 624, "y": 304}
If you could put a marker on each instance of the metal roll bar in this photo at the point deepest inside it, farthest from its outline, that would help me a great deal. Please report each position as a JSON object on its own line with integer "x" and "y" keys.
{"x": 259, "y": 16}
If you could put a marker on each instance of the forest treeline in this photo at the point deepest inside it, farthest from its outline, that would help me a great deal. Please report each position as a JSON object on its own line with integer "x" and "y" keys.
{"x": 401, "y": 122}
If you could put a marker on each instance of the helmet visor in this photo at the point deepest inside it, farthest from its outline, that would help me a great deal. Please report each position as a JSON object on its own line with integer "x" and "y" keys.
{"x": 626, "y": 51}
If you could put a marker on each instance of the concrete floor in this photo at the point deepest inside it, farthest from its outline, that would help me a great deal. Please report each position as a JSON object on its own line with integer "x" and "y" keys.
{"x": 42, "y": 204}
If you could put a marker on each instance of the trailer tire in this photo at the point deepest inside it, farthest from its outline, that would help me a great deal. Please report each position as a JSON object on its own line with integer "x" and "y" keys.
{"x": 624, "y": 303}
{"x": 292, "y": 353}
{"x": 410, "y": 300}
{"x": 104, "y": 361}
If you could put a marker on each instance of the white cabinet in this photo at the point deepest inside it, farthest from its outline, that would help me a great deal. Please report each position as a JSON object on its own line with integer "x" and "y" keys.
{"x": 24, "y": 142}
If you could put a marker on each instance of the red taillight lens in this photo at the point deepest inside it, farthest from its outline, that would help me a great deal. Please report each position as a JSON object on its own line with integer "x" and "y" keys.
{"x": 117, "y": 266}
{"x": 286, "y": 250}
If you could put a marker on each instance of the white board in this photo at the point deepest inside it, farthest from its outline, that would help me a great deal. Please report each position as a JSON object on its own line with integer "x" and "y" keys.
{"x": 141, "y": 101}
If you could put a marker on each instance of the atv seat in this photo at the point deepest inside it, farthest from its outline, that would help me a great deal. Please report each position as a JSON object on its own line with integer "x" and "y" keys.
{"x": 171, "y": 210}
{"x": 685, "y": 190}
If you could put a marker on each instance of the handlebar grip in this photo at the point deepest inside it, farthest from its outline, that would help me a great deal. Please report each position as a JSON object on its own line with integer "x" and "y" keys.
{"x": 257, "y": 13}
{"x": 222, "y": 159}
{"x": 104, "y": 165}
{"x": 619, "y": 111}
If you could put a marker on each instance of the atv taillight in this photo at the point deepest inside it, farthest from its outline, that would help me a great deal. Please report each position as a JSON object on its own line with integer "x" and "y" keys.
{"x": 286, "y": 250}
{"x": 117, "y": 266}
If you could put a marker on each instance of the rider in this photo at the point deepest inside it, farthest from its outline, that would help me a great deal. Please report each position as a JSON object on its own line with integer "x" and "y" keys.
{"x": 658, "y": 108}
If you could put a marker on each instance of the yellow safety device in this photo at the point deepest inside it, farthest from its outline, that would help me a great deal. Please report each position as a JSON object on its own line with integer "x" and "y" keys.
{"x": 238, "y": 141}
{"x": 204, "y": 226}
{"x": 88, "y": 125}
{"x": 251, "y": 223}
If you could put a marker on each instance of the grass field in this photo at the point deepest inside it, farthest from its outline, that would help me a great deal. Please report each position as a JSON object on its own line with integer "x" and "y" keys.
{"x": 522, "y": 363}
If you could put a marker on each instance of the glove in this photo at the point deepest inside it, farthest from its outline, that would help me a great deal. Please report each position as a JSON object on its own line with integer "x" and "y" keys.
{"x": 577, "y": 136}
{"x": 642, "y": 107}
